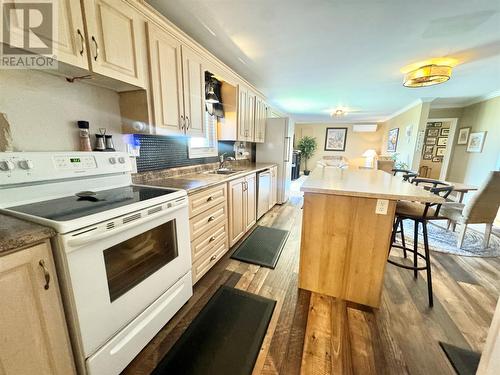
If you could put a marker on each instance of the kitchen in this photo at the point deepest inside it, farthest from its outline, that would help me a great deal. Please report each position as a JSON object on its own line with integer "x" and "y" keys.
{"x": 134, "y": 178}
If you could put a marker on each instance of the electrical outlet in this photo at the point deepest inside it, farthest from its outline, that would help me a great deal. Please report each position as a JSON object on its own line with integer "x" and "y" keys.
{"x": 382, "y": 206}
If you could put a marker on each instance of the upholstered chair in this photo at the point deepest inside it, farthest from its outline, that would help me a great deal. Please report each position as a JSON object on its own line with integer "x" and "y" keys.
{"x": 482, "y": 208}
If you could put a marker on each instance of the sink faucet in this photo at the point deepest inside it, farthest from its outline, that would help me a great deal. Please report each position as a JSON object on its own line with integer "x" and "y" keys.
{"x": 223, "y": 159}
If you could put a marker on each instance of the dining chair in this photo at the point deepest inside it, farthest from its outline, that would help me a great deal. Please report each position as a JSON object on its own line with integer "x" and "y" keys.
{"x": 420, "y": 213}
{"x": 482, "y": 208}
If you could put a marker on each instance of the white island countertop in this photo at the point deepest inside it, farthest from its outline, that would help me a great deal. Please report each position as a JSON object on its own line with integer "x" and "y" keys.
{"x": 365, "y": 183}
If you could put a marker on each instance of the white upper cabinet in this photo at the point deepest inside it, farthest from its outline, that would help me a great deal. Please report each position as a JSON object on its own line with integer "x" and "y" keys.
{"x": 115, "y": 48}
{"x": 194, "y": 92}
{"x": 166, "y": 81}
{"x": 71, "y": 47}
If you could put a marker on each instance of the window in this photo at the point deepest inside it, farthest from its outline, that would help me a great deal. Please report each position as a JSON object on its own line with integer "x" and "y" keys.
{"x": 200, "y": 147}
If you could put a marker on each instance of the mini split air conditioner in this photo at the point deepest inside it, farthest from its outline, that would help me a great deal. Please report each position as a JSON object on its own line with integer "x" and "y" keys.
{"x": 364, "y": 128}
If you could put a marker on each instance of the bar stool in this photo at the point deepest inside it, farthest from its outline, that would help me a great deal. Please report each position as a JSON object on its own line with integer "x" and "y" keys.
{"x": 420, "y": 213}
{"x": 408, "y": 175}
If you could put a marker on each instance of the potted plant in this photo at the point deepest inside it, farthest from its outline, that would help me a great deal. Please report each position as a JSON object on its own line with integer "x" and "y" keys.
{"x": 307, "y": 146}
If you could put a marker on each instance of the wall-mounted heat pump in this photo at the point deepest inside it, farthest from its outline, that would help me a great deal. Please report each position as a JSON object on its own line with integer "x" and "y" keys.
{"x": 364, "y": 128}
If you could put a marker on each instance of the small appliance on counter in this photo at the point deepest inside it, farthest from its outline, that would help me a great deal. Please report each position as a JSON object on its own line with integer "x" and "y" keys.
{"x": 103, "y": 141}
{"x": 84, "y": 136}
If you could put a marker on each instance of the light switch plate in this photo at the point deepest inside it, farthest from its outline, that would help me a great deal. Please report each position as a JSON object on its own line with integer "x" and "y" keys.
{"x": 382, "y": 206}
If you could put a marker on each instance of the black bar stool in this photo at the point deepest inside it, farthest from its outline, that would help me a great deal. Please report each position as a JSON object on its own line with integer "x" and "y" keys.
{"x": 420, "y": 213}
{"x": 408, "y": 175}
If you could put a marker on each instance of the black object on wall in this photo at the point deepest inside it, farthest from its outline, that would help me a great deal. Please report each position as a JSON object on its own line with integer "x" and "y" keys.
{"x": 162, "y": 152}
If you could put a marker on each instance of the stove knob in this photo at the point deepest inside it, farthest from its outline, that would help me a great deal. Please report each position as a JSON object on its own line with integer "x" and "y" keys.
{"x": 121, "y": 159}
{"x": 26, "y": 164}
{"x": 112, "y": 160}
{"x": 7, "y": 165}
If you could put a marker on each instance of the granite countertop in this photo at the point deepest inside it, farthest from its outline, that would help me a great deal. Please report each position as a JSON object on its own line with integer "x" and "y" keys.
{"x": 194, "y": 182}
{"x": 16, "y": 233}
{"x": 365, "y": 183}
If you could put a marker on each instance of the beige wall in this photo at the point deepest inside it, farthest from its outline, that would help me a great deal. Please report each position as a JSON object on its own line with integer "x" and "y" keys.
{"x": 472, "y": 168}
{"x": 42, "y": 110}
{"x": 356, "y": 143}
{"x": 413, "y": 120}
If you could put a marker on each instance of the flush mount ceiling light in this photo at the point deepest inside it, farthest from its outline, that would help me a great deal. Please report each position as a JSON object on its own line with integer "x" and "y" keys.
{"x": 338, "y": 113}
{"x": 427, "y": 75}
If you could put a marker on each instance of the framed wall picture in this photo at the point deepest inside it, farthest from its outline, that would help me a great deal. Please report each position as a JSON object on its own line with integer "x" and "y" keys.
{"x": 429, "y": 149}
{"x": 392, "y": 140}
{"x": 445, "y": 132}
{"x": 335, "y": 139}
{"x": 442, "y": 141}
{"x": 430, "y": 140}
{"x": 476, "y": 142}
{"x": 432, "y": 132}
{"x": 427, "y": 156}
{"x": 437, "y": 159}
{"x": 440, "y": 151}
{"x": 463, "y": 136}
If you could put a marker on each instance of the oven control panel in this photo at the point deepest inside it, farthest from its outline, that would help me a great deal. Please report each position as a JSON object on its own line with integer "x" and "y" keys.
{"x": 29, "y": 167}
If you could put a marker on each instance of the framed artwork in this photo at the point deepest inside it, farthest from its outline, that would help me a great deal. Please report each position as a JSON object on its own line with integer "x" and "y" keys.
{"x": 476, "y": 142}
{"x": 440, "y": 151}
{"x": 430, "y": 140}
{"x": 445, "y": 132}
{"x": 335, "y": 139}
{"x": 463, "y": 136}
{"x": 392, "y": 140}
{"x": 432, "y": 132}
{"x": 436, "y": 159}
{"x": 442, "y": 141}
{"x": 429, "y": 149}
{"x": 427, "y": 156}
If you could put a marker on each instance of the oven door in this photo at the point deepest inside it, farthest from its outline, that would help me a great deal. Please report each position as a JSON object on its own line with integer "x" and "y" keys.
{"x": 120, "y": 267}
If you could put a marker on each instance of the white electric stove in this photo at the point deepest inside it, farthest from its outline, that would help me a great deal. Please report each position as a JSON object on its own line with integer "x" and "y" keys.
{"x": 122, "y": 250}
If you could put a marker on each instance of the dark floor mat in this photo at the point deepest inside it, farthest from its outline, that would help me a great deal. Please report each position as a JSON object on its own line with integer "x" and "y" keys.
{"x": 263, "y": 246}
{"x": 225, "y": 337}
{"x": 464, "y": 361}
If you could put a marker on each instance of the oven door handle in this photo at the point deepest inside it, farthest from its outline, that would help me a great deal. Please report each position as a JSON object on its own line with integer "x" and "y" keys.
{"x": 88, "y": 237}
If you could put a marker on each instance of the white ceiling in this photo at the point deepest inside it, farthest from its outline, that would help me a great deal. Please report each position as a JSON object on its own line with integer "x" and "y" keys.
{"x": 308, "y": 56}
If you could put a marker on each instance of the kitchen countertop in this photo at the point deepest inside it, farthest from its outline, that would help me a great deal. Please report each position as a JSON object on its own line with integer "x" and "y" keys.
{"x": 365, "y": 183}
{"x": 194, "y": 182}
{"x": 17, "y": 234}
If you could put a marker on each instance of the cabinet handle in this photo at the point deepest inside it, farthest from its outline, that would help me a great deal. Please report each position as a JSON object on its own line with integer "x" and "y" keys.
{"x": 210, "y": 199}
{"x": 183, "y": 122}
{"x": 211, "y": 218}
{"x": 96, "y": 48}
{"x": 46, "y": 273}
{"x": 188, "y": 122}
{"x": 214, "y": 257}
{"x": 82, "y": 40}
{"x": 212, "y": 239}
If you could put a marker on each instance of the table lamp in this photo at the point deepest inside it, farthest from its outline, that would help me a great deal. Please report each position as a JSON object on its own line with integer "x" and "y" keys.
{"x": 369, "y": 156}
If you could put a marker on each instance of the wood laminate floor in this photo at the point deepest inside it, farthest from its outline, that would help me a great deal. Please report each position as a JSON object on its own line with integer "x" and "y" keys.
{"x": 314, "y": 334}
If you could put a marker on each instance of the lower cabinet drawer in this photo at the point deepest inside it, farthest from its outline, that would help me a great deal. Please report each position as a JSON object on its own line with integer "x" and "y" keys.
{"x": 205, "y": 243}
{"x": 204, "y": 222}
{"x": 203, "y": 265}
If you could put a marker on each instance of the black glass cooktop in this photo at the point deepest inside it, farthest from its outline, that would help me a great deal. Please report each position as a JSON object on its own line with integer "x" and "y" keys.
{"x": 88, "y": 203}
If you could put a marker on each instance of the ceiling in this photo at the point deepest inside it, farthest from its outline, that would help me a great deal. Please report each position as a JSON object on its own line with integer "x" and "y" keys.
{"x": 311, "y": 56}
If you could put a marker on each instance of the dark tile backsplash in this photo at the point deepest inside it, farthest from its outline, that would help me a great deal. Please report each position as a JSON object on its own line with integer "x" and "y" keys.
{"x": 162, "y": 152}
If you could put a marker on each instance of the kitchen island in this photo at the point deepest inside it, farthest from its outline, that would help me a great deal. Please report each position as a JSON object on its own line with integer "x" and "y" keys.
{"x": 347, "y": 222}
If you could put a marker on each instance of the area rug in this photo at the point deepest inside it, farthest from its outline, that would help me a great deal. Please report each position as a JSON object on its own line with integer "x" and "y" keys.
{"x": 224, "y": 339}
{"x": 445, "y": 241}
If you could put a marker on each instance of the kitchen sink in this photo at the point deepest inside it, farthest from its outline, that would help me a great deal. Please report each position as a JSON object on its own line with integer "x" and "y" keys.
{"x": 225, "y": 171}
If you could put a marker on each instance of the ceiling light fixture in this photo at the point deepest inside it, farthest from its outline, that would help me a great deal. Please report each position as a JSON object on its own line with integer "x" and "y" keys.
{"x": 211, "y": 97}
{"x": 427, "y": 75}
{"x": 338, "y": 113}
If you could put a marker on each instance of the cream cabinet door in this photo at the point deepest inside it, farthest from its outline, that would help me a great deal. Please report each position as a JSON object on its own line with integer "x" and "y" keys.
{"x": 250, "y": 201}
{"x": 250, "y": 125}
{"x": 115, "y": 47}
{"x": 242, "y": 113}
{"x": 34, "y": 336}
{"x": 71, "y": 47}
{"x": 194, "y": 93}
{"x": 166, "y": 80}
{"x": 260, "y": 120}
{"x": 237, "y": 214}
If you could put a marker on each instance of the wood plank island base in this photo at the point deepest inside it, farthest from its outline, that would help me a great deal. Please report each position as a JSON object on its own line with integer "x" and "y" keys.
{"x": 347, "y": 223}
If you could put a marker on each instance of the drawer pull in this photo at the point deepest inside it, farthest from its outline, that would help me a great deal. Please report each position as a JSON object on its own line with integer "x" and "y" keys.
{"x": 46, "y": 274}
{"x": 211, "y": 239}
{"x": 210, "y": 199}
{"x": 213, "y": 258}
{"x": 211, "y": 218}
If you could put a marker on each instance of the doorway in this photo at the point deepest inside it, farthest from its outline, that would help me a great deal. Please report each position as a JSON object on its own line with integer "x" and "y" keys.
{"x": 437, "y": 148}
